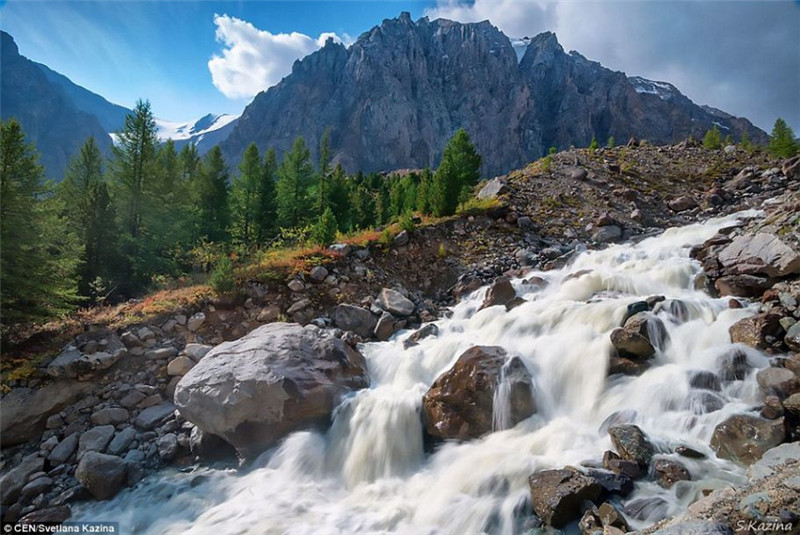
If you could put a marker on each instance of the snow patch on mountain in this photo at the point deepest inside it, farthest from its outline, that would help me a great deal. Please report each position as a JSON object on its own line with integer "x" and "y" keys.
{"x": 663, "y": 90}
{"x": 179, "y": 131}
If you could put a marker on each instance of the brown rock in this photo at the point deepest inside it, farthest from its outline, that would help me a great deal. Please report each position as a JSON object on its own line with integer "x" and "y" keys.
{"x": 459, "y": 405}
{"x": 754, "y": 330}
{"x": 668, "y": 472}
{"x": 557, "y": 496}
{"x": 778, "y": 381}
{"x": 745, "y": 438}
{"x": 499, "y": 293}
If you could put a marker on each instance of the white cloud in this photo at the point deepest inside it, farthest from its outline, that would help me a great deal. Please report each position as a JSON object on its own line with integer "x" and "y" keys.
{"x": 253, "y": 59}
{"x": 714, "y": 52}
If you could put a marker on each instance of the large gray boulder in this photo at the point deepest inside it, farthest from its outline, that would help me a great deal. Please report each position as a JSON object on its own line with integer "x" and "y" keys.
{"x": 356, "y": 319}
{"x": 279, "y": 378}
{"x": 395, "y": 303}
{"x": 460, "y": 403}
{"x": 761, "y": 253}
{"x": 25, "y": 410}
{"x": 102, "y": 475}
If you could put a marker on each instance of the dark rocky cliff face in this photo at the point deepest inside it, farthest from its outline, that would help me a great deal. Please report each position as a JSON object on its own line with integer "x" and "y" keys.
{"x": 394, "y": 98}
{"x": 45, "y": 111}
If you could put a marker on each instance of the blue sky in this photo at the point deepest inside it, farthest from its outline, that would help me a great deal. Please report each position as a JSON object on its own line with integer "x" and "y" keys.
{"x": 125, "y": 50}
{"x": 738, "y": 55}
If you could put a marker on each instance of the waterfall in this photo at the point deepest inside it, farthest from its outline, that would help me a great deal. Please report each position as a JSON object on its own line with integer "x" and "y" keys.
{"x": 369, "y": 472}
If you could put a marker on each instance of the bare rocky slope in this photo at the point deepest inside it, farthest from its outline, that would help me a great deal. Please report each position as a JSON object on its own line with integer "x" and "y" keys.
{"x": 99, "y": 413}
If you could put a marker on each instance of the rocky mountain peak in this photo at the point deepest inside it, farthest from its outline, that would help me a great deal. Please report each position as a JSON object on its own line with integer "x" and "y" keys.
{"x": 395, "y": 96}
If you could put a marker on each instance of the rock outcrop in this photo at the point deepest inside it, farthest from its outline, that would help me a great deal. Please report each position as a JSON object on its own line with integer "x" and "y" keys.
{"x": 278, "y": 378}
{"x": 379, "y": 120}
{"x": 460, "y": 403}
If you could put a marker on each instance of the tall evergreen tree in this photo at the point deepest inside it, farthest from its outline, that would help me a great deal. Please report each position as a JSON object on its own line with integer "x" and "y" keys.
{"x": 213, "y": 208}
{"x": 712, "y": 139}
{"x": 266, "y": 225}
{"x": 245, "y": 196}
{"x": 363, "y": 207}
{"x": 134, "y": 154}
{"x": 295, "y": 177}
{"x": 134, "y": 167}
{"x": 338, "y": 197}
{"x": 324, "y": 231}
{"x": 37, "y": 269}
{"x": 323, "y": 171}
{"x": 424, "y": 192}
{"x": 782, "y": 142}
{"x": 458, "y": 171}
{"x": 91, "y": 216}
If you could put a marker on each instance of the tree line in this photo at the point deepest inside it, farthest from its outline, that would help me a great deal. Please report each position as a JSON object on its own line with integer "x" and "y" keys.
{"x": 112, "y": 227}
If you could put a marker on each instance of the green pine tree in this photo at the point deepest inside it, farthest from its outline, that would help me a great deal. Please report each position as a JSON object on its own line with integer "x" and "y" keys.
{"x": 133, "y": 168}
{"x": 459, "y": 170}
{"x": 782, "y": 142}
{"x": 245, "y": 198}
{"x": 610, "y": 143}
{"x": 38, "y": 258}
{"x": 213, "y": 208}
{"x": 266, "y": 226}
{"x": 593, "y": 145}
{"x": 322, "y": 185}
{"x": 424, "y": 192}
{"x": 90, "y": 214}
{"x": 295, "y": 177}
{"x": 324, "y": 231}
{"x": 712, "y": 140}
{"x": 338, "y": 197}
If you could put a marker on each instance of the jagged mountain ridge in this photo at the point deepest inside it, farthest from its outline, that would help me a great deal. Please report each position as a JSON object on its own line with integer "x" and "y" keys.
{"x": 46, "y": 113}
{"x": 395, "y": 96}
{"x": 58, "y": 115}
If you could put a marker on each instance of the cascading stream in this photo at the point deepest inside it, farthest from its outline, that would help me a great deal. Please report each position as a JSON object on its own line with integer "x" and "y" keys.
{"x": 369, "y": 472}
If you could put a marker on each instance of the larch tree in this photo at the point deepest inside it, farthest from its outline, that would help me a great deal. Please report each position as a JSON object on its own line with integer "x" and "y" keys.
{"x": 295, "y": 176}
{"x": 245, "y": 196}
{"x": 90, "y": 214}
{"x": 38, "y": 260}
{"x": 458, "y": 171}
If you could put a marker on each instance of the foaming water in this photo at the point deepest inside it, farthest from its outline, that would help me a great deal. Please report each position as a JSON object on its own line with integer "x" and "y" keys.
{"x": 369, "y": 472}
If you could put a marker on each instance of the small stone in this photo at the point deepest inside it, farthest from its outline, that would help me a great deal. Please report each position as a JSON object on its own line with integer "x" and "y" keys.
{"x": 196, "y": 351}
{"x": 131, "y": 399}
{"x": 668, "y": 472}
{"x": 95, "y": 439}
{"x": 318, "y": 273}
{"x": 112, "y": 415}
{"x": 152, "y": 416}
{"x": 64, "y": 450}
{"x": 268, "y": 314}
{"x": 401, "y": 239}
{"x": 163, "y": 353}
{"x": 296, "y": 285}
{"x": 36, "y": 487}
{"x": 167, "y": 446}
{"x": 102, "y": 475}
{"x": 180, "y": 366}
{"x": 196, "y": 321}
{"x": 54, "y": 421}
{"x": 298, "y": 306}
{"x": 122, "y": 441}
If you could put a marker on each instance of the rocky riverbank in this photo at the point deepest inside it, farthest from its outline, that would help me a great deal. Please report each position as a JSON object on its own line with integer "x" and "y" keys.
{"x": 101, "y": 414}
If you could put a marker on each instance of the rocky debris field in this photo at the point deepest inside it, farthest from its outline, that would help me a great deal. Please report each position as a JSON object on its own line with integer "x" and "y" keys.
{"x": 115, "y": 404}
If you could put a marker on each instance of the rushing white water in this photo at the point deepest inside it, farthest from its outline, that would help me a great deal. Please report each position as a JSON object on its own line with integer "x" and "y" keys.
{"x": 369, "y": 472}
